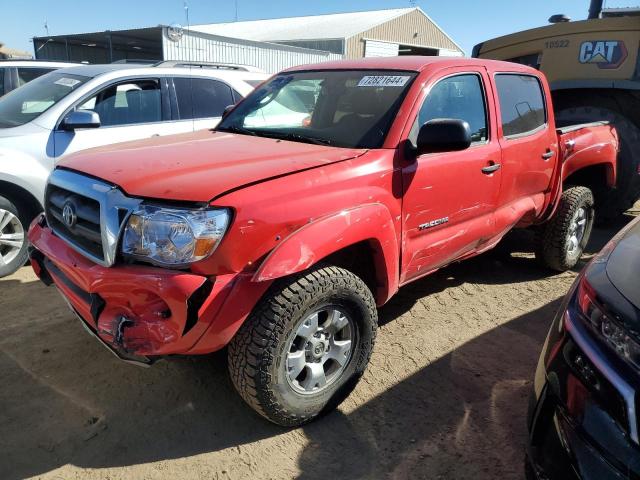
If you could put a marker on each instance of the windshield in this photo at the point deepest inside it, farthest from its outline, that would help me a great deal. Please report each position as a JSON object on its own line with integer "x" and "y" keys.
{"x": 31, "y": 100}
{"x": 352, "y": 109}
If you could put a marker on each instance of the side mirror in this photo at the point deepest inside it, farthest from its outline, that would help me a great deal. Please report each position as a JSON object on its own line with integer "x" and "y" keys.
{"x": 227, "y": 110}
{"x": 80, "y": 119}
{"x": 443, "y": 135}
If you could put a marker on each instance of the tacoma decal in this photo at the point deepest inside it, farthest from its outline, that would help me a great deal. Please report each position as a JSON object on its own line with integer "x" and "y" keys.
{"x": 433, "y": 223}
{"x": 604, "y": 53}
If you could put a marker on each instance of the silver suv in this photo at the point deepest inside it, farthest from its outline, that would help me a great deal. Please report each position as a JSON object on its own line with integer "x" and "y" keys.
{"x": 88, "y": 106}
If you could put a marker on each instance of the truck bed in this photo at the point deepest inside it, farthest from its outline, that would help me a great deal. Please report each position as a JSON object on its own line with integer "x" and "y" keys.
{"x": 588, "y": 145}
{"x": 579, "y": 126}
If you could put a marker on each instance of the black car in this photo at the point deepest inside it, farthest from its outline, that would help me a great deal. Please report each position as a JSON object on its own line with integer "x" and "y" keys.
{"x": 584, "y": 418}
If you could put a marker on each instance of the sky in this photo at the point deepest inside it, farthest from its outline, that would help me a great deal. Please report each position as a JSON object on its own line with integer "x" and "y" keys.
{"x": 467, "y": 21}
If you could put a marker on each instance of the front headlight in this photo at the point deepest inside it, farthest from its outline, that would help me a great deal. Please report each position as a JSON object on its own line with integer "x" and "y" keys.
{"x": 605, "y": 325}
{"x": 173, "y": 237}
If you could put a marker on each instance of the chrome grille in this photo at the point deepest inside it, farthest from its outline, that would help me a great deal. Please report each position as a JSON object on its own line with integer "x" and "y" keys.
{"x": 88, "y": 214}
{"x": 84, "y": 227}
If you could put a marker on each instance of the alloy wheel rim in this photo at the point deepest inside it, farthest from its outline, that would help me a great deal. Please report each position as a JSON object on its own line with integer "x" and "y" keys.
{"x": 320, "y": 350}
{"x": 577, "y": 230}
{"x": 11, "y": 237}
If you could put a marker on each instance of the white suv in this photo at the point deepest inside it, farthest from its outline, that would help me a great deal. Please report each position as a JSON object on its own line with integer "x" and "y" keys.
{"x": 88, "y": 106}
{"x": 15, "y": 73}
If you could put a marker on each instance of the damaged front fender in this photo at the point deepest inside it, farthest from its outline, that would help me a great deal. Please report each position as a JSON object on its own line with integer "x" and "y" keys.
{"x": 317, "y": 240}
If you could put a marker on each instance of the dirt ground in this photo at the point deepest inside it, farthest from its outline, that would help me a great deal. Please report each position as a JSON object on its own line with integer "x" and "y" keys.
{"x": 444, "y": 397}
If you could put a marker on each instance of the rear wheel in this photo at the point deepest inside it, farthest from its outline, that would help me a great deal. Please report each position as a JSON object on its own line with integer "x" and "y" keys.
{"x": 305, "y": 346}
{"x": 610, "y": 203}
{"x": 561, "y": 241}
{"x": 13, "y": 241}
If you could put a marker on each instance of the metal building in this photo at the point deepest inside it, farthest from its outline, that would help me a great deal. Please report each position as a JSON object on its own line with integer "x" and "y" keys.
{"x": 271, "y": 45}
{"x": 270, "y": 57}
{"x": 172, "y": 43}
{"x": 402, "y": 31}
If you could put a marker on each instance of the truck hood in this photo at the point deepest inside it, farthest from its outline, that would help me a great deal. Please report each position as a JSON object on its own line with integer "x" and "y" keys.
{"x": 200, "y": 166}
{"x": 624, "y": 264}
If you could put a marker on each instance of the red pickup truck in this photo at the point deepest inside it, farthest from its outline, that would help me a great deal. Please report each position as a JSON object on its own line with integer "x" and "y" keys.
{"x": 314, "y": 200}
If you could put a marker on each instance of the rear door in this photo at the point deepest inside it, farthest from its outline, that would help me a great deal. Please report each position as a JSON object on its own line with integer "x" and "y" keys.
{"x": 201, "y": 101}
{"x": 450, "y": 198}
{"x": 529, "y": 145}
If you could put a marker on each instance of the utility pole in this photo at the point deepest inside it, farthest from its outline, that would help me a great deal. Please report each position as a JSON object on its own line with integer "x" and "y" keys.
{"x": 186, "y": 13}
{"x": 236, "y": 10}
{"x": 46, "y": 27}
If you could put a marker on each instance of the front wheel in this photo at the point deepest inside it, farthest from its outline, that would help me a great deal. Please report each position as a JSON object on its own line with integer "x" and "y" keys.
{"x": 13, "y": 241}
{"x": 305, "y": 346}
{"x": 561, "y": 241}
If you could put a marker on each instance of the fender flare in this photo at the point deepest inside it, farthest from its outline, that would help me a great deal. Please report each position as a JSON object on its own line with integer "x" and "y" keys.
{"x": 320, "y": 238}
{"x": 570, "y": 167}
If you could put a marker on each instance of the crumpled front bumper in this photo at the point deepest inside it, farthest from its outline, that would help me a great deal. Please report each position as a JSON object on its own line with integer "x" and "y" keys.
{"x": 142, "y": 312}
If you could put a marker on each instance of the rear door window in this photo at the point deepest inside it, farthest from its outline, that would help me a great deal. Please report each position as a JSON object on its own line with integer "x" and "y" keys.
{"x": 2, "y": 73}
{"x": 522, "y": 106}
{"x": 202, "y": 97}
{"x": 27, "y": 74}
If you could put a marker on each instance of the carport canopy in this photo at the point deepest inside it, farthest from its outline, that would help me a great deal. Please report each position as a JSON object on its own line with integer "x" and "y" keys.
{"x": 102, "y": 47}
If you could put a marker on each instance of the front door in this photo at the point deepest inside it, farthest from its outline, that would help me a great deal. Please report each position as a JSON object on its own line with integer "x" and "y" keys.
{"x": 129, "y": 110}
{"x": 450, "y": 198}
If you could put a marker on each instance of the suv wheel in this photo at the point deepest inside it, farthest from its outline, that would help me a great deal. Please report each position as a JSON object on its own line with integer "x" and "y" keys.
{"x": 13, "y": 238}
{"x": 305, "y": 346}
{"x": 561, "y": 241}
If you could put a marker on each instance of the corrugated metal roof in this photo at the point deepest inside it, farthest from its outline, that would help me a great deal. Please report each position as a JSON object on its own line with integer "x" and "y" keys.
{"x": 620, "y": 12}
{"x": 337, "y": 25}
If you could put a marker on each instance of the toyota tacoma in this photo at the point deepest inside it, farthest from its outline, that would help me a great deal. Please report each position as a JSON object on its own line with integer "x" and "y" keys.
{"x": 278, "y": 233}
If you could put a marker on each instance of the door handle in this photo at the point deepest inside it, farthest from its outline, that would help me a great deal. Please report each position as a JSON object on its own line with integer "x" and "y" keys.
{"x": 491, "y": 168}
{"x": 548, "y": 155}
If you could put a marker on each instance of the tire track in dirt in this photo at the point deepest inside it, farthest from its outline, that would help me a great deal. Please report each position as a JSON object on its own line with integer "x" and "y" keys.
{"x": 444, "y": 397}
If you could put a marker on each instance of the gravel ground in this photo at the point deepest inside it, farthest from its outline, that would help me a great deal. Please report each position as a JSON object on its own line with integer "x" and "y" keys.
{"x": 444, "y": 397}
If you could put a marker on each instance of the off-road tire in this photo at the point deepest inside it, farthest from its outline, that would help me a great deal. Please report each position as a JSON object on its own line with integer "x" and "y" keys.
{"x": 611, "y": 203}
{"x": 25, "y": 218}
{"x": 257, "y": 351}
{"x": 552, "y": 238}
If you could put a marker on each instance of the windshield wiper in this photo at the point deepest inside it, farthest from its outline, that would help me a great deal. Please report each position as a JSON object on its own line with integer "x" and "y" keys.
{"x": 296, "y": 137}
{"x": 237, "y": 129}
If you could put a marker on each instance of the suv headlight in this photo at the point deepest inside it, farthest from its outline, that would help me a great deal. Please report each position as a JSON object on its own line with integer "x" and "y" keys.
{"x": 605, "y": 325}
{"x": 173, "y": 237}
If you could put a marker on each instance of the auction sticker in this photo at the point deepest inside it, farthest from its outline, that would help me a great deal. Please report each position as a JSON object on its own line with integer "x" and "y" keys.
{"x": 67, "y": 82}
{"x": 384, "y": 81}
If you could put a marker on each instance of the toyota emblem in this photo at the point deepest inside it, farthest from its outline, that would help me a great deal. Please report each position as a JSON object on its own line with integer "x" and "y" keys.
{"x": 69, "y": 215}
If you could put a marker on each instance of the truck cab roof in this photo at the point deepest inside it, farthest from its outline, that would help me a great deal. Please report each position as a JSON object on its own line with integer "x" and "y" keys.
{"x": 411, "y": 63}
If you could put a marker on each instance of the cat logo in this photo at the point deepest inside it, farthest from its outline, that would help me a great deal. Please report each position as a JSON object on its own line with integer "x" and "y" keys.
{"x": 604, "y": 53}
